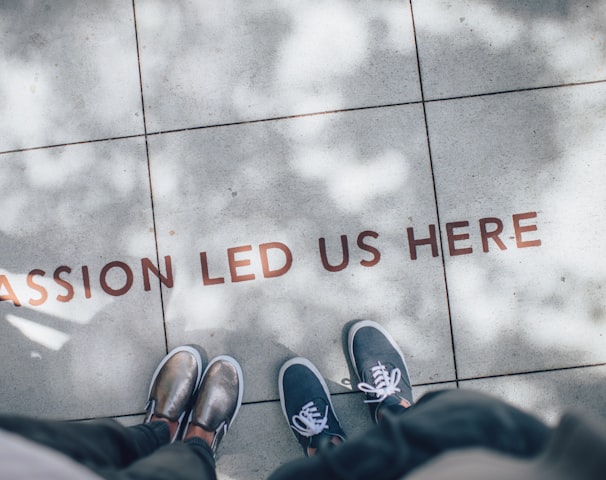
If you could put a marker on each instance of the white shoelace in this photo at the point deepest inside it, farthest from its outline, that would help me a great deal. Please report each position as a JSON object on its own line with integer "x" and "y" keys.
{"x": 309, "y": 420}
{"x": 385, "y": 383}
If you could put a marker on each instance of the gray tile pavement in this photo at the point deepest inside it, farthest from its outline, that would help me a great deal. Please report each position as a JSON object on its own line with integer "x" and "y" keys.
{"x": 484, "y": 46}
{"x": 273, "y": 444}
{"x": 76, "y": 318}
{"x": 69, "y": 73}
{"x": 277, "y": 191}
{"x": 312, "y": 173}
{"x": 548, "y": 393}
{"x": 529, "y": 298}
{"x": 209, "y": 63}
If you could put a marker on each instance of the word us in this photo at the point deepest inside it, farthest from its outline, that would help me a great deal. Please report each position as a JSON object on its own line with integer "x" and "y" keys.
{"x": 276, "y": 259}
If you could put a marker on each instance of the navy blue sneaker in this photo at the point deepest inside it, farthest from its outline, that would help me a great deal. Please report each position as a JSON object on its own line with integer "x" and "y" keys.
{"x": 380, "y": 366}
{"x": 307, "y": 406}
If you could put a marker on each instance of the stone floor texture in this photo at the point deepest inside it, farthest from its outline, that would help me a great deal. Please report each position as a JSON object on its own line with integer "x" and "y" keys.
{"x": 251, "y": 176}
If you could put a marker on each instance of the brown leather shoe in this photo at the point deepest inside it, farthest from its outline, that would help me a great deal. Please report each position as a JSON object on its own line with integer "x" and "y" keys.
{"x": 173, "y": 385}
{"x": 219, "y": 398}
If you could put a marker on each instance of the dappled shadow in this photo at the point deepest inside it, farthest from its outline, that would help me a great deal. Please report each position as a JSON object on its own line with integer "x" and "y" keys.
{"x": 549, "y": 394}
{"x": 69, "y": 79}
{"x": 64, "y": 210}
{"x": 295, "y": 180}
{"x": 525, "y": 155}
{"x": 211, "y": 64}
{"x": 489, "y": 46}
{"x": 195, "y": 175}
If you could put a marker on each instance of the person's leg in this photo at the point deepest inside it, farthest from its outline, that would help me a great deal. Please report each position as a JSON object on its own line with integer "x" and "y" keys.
{"x": 439, "y": 422}
{"x": 192, "y": 454}
{"x": 216, "y": 405}
{"x": 307, "y": 406}
{"x": 468, "y": 418}
{"x": 196, "y": 437}
{"x": 381, "y": 368}
{"x": 450, "y": 419}
{"x": 100, "y": 443}
{"x": 218, "y": 402}
{"x": 189, "y": 460}
{"x": 173, "y": 386}
{"x": 407, "y": 435}
{"x": 105, "y": 444}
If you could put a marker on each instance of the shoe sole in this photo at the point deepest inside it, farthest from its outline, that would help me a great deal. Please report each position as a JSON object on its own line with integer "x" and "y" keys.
{"x": 305, "y": 362}
{"x": 369, "y": 323}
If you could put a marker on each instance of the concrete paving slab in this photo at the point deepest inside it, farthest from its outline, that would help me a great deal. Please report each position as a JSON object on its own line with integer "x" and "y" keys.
{"x": 241, "y": 212}
{"x": 76, "y": 222}
{"x": 250, "y": 196}
{"x": 261, "y": 439}
{"x": 483, "y": 46}
{"x": 209, "y": 63}
{"x": 253, "y": 448}
{"x": 69, "y": 73}
{"x": 527, "y": 169}
{"x": 549, "y": 394}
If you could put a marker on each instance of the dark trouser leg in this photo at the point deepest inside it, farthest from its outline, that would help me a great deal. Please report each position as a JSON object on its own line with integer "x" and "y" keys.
{"x": 190, "y": 460}
{"x": 117, "y": 452}
{"x": 440, "y": 421}
{"x": 99, "y": 443}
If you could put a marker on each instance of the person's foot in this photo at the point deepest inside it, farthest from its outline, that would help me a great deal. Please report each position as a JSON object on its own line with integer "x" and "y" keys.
{"x": 380, "y": 366}
{"x": 218, "y": 401}
{"x": 307, "y": 406}
{"x": 173, "y": 384}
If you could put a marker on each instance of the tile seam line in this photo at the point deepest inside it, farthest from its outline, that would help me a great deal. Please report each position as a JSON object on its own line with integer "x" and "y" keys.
{"x": 414, "y": 385}
{"x": 285, "y": 117}
{"x": 515, "y": 90}
{"x": 147, "y": 134}
{"x": 376, "y": 107}
{"x": 532, "y": 372}
{"x": 435, "y": 195}
{"x": 69, "y": 144}
{"x": 149, "y": 180}
{"x": 444, "y": 382}
{"x": 203, "y": 127}
{"x": 301, "y": 115}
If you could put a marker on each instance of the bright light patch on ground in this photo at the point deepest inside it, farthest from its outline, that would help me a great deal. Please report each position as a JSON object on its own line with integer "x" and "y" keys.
{"x": 46, "y": 336}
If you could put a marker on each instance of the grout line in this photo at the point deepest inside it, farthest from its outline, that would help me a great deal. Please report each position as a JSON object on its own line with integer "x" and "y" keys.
{"x": 531, "y": 372}
{"x": 515, "y": 90}
{"x": 151, "y": 191}
{"x": 302, "y": 115}
{"x": 435, "y": 195}
{"x": 445, "y": 382}
{"x": 414, "y": 385}
{"x": 285, "y": 117}
{"x": 69, "y": 144}
{"x": 126, "y": 415}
